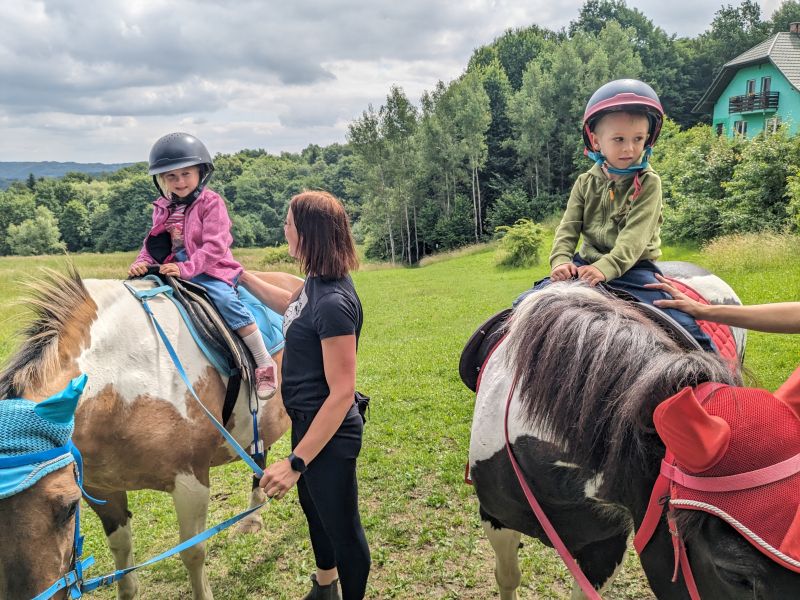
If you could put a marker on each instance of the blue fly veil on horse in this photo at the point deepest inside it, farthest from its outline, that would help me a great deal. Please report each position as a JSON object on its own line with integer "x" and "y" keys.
{"x": 35, "y": 437}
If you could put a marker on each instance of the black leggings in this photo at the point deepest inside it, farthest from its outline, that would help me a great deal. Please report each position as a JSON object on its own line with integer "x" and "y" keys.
{"x": 328, "y": 493}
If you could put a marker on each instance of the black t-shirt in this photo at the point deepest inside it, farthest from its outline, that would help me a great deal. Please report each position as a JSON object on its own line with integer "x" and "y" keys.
{"x": 325, "y": 308}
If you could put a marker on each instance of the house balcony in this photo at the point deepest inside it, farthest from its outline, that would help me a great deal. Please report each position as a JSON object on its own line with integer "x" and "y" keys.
{"x": 762, "y": 102}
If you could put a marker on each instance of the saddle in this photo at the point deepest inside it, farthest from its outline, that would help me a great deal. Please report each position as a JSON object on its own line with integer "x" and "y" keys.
{"x": 224, "y": 348}
{"x": 489, "y": 334}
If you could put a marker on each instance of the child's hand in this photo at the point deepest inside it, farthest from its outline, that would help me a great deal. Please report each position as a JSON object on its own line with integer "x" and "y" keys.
{"x": 590, "y": 275}
{"x": 137, "y": 269}
{"x": 170, "y": 269}
{"x": 564, "y": 272}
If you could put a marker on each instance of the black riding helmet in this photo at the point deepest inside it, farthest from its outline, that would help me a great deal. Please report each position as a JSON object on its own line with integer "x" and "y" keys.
{"x": 176, "y": 151}
{"x": 623, "y": 95}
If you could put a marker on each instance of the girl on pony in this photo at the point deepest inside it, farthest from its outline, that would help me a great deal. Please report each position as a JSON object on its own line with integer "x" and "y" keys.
{"x": 190, "y": 238}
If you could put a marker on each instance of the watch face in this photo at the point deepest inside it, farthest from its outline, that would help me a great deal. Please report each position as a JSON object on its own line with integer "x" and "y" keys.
{"x": 297, "y": 463}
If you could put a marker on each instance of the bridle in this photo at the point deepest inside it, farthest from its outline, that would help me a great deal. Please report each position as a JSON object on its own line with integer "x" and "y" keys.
{"x": 71, "y": 581}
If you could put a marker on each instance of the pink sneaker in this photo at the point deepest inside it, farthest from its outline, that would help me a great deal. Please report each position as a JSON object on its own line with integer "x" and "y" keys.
{"x": 265, "y": 382}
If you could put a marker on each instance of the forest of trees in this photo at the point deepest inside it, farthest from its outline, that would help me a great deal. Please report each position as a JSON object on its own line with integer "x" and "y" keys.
{"x": 499, "y": 143}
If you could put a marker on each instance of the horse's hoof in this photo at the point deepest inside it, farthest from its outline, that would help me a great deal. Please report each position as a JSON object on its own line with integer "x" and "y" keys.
{"x": 251, "y": 524}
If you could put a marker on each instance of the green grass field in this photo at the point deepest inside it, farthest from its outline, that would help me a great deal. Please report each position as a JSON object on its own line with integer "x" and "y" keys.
{"x": 421, "y": 519}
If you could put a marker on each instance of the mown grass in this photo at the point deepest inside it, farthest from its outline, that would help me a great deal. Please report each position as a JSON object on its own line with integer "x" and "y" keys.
{"x": 421, "y": 519}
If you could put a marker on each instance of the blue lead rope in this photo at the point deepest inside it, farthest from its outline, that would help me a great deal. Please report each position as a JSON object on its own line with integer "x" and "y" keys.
{"x": 73, "y": 579}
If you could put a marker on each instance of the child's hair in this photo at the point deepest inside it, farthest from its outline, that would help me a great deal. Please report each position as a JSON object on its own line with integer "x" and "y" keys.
{"x": 162, "y": 184}
{"x": 326, "y": 246}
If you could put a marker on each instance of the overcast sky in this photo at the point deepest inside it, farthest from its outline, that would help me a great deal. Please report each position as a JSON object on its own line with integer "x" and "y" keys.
{"x": 100, "y": 82}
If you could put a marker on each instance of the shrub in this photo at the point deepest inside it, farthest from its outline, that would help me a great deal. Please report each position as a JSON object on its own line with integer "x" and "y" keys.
{"x": 514, "y": 204}
{"x": 520, "y": 244}
{"x": 39, "y": 235}
{"x": 276, "y": 256}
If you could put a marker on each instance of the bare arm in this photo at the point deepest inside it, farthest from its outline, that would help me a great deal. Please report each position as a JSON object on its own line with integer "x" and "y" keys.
{"x": 781, "y": 317}
{"x": 276, "y": 297}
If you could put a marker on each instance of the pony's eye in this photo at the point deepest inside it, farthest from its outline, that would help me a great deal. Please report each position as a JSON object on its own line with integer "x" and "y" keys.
{"x": 65, "y": 512}
{"x": 734, "y": 578}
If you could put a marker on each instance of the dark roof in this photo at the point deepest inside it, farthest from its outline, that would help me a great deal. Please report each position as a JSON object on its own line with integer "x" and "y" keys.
{"x": 782, "y": 50}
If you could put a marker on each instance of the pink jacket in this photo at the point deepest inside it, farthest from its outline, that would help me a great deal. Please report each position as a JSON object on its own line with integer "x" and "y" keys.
{"x": 206, "y": 237}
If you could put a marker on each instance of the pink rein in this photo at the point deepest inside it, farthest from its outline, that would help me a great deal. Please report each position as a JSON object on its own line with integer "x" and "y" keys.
{"x": 552, "y": 534}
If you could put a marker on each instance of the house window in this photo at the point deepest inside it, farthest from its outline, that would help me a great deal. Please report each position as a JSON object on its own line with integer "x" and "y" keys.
{"x": 740, "y": 127}
{"x": 720, "y": 128}
{"x": 765, "y": 84}
{"x": 751, "y": 86}
{"x": 771, "y": 125}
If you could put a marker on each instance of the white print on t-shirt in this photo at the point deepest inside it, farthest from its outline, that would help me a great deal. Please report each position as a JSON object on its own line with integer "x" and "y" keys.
{"x": 294, "y": 310}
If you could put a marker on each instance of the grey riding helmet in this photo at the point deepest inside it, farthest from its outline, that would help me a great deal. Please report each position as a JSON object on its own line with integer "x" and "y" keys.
{"x": 176, "y": 151}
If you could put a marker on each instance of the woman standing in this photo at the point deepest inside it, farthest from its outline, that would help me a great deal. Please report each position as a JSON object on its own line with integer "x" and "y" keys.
{"x": 322, "y": 323}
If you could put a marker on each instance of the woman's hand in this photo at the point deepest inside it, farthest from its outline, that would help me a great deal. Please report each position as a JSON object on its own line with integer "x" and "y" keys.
{"x": 591, "y": 275}
{"x": 170, "y": 269}
{"x": 564, "y": 272}
{"x": 137, "y": 269}
{"x": 680, "y": 300}
{"x": 278, "y": 479}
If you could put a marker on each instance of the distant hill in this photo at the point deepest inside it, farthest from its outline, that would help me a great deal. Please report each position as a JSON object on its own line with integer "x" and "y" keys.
{"x": 12, "y": 171}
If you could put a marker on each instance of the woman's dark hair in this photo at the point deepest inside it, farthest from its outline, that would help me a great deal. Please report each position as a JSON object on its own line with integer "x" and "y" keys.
{"x": 325, "y": 243}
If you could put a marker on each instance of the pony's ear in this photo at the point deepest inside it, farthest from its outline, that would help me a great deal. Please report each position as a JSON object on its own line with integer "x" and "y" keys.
{"x": 698, "y": 440}
{"x": 60, "y": 408}
{"x": 789, "y": 392}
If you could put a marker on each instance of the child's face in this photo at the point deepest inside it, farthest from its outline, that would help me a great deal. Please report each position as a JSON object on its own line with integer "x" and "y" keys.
{"x": 621, "y": 137}
{"x": 182, "y": 182}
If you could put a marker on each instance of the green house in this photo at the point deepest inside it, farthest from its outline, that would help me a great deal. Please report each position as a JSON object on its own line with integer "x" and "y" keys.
{"x": 759, "y": 89}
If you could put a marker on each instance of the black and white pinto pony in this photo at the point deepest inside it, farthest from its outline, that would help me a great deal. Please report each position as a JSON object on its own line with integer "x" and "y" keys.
{"x": 591, "y": 370}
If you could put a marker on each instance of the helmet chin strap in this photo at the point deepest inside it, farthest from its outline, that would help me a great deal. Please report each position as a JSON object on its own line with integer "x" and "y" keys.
{"x": 601, "y": 160}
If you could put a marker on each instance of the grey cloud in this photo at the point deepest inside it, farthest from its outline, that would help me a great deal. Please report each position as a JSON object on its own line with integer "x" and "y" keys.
{"x": 151, "y": 60}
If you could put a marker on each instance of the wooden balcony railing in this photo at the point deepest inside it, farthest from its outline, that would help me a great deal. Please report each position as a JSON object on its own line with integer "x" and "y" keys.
{"x": 751, "y": 102}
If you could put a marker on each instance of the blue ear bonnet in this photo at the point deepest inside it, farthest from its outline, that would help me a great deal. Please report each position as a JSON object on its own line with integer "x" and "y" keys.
{"x": 35, "y": 437}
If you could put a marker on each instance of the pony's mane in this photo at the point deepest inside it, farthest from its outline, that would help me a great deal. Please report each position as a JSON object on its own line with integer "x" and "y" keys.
{"x": 592, "y": 369}
{"x": 53, "y": 300}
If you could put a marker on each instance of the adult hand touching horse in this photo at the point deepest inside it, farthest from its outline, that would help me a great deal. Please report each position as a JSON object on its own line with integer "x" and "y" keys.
{"x": 780, "y": 317}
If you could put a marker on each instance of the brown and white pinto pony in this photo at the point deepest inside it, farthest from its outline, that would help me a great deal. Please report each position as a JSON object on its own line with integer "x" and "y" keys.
{"x": 136, "y": 425}
{"x": 591, "y": 372}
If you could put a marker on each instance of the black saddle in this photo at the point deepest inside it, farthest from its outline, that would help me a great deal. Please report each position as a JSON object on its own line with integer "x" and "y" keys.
{"x": 479, "y": 346}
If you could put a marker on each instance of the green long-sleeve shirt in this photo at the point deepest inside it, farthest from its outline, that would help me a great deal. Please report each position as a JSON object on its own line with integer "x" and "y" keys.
{"x": 617, "y": 233}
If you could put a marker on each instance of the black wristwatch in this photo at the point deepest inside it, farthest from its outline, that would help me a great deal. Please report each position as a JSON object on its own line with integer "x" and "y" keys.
{"x": 297, "y": 463}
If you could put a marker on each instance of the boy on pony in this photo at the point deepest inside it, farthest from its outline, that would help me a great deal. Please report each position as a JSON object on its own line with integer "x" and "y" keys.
{"x": 616, "y": 205}
{"x": 190, "y": 238}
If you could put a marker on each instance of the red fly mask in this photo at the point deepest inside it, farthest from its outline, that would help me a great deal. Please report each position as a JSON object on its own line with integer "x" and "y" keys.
{"x": 734, "y": 453}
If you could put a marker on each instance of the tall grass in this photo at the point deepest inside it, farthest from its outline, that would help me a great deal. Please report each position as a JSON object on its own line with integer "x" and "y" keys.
{"x": 421, "y": 519}
{"x": 751, "y": 252}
